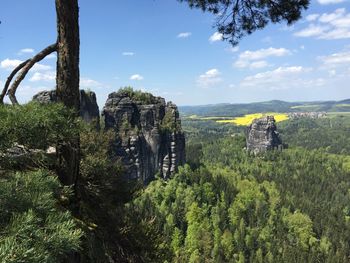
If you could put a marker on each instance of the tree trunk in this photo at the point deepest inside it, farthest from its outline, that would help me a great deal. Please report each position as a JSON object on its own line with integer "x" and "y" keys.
{"x": 67, "y": 81}
{"x": 9, "y": 79}
{"x": 26, "y": 66}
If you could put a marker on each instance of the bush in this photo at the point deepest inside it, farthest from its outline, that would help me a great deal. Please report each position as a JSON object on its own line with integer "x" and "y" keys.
{"x": 36, "y": 126}
{"x": 137, "y": 95}
{"x": 34, "y": 227}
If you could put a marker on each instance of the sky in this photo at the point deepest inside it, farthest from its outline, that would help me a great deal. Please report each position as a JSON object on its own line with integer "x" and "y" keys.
{"x": 170, "y": 50}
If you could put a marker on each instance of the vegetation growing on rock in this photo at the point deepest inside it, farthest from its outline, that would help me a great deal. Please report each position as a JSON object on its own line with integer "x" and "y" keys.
{"x": 150, "y": 139}
{"x": 137, "y": 95}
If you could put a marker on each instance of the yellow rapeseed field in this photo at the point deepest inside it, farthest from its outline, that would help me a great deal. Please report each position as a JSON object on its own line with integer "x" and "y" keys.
{"x": 248, "y": 118}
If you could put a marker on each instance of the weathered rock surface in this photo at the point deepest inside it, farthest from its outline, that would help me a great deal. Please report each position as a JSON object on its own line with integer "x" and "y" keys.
{"x": 262, "y": 135}
{"x": 22, "y": 158}
{"x": 149, "y": 136}
{"x": 89, "y": 110}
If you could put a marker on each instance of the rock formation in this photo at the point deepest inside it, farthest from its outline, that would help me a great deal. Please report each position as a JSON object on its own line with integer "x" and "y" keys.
{"x": 149, "y": 137}
{"x": 262, "y": 135}
{"x": 88, "y": 106}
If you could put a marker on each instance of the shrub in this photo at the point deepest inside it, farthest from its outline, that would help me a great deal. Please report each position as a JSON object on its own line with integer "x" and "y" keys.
{"x": 36, "y": 126}
{"x": 34, "y": 227}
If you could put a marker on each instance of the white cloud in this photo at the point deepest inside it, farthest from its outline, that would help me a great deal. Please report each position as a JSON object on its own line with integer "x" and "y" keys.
{"x": 327, "y": 2}
{"x": 26, "y": 51}
{"x": 336, "y": 59}
{"x": 312, "y": 17}
{"x": 47, "y": 76}
{"x": 89, "y": 83}
{"x": 280, "y": 78}
{"x": 215, "y": 37}
{"x": 128, "y": 53}
{"x": 184, "y": 35}
{"x": 258, "y": 64}
{"x": 335, "y": 25}
{"x": 248, "y": 57}
{"x": 26, "y": 92}
{"x": 10, "y": 64}
{"x": 40, "y": 67}
{"x": 337, "y": 34}
{"x": 209, "y": 78}
{"x": 329, "y": 17}
{"x": 312, "y": 31}
{"x": 51, "y": 56}
{"x": 136, "y": 77}
{"x": 332, "y": 73}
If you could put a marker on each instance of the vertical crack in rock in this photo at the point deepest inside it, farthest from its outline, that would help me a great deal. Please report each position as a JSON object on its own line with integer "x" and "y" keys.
{"x": 262, "y": 135}
{"x": 149, "y": 136}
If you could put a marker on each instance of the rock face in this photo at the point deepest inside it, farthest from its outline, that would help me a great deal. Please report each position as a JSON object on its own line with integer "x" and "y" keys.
{"x": 88, "y": 106}
{"x": 262, "y": 135}
{"x": 149, "y": 136}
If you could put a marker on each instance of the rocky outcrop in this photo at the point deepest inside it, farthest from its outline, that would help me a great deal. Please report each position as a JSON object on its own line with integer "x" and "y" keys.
{"x": 262, "y": 135}
{"x": 149, "y": 136}
{"x": 21, "y": 158}
{"x": 89, "y": 110}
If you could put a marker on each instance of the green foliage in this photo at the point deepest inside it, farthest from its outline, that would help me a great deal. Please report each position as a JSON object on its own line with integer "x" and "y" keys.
{"x": 239, "y": 18}
{"x": 111, "y": 230}
{"x": 289, "y": 206}
{"x": 137, "y": 95}
{"x": 300, "y": 229}
{"x": 169, "y": 123}
{"x": 241, "y": 109}
{"x": 34, "y": 227}
{"x": 227, "y": 206}
{"x": 35, "y": 126}
{"x": 211, "y": 228}
{"x": 330, "y": 134}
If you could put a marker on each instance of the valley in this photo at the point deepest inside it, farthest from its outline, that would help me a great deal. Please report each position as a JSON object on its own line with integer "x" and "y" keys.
{"x": 126, "y": 134}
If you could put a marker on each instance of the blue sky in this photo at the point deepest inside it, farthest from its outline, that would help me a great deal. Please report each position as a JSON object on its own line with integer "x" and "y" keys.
{"x": 163, "y": 47}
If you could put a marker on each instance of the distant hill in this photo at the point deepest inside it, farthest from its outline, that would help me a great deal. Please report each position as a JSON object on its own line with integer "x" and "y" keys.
{"x": 227, "y": 109}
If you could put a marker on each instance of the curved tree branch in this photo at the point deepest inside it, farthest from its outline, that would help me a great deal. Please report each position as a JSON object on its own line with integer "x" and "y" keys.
{"x": 9, "y": 79}
{"x": 42, "y": 54}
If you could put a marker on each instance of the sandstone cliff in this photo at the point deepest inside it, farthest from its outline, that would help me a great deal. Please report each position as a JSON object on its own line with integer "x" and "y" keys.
{"x": 262, "y": 135}
{"x": 149, "y": 136}
{"x": 88, "y": 106}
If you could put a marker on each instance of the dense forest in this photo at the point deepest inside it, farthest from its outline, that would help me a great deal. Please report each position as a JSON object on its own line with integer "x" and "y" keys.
{"x": 64, "y": 196}
{"x": 43, "y": 220}
{"x": 330, "y": 134}
{"x": 285, "y": 207}
{"x": 229, "y": 206}
{"x": 224, "y": 205}
{"x": 229, "y": 110}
